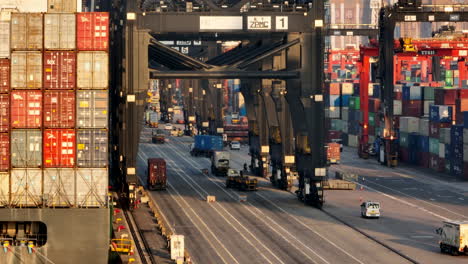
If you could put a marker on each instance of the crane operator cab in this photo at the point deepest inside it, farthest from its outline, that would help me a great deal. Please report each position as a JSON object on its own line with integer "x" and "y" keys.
{"x": 370, "y": 209}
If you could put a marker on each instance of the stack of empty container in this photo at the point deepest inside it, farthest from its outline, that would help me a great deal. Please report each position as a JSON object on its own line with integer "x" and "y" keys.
{"x": 54, "y": 108}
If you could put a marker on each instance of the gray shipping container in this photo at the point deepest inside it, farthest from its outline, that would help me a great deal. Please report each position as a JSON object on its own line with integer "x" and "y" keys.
{"x": 26, "y": 70}
{"x": 92, "y": 108}
{"x": 59, "y": 187}
{"x": 4, "y": 39}
{"x": 26, "y": 31}
{"x": 26, "y": 187}
{"x": 26, "y": 148}
{"x": 62, "y": 6}
{"x": 92, "y": 148}
{"x": 60, "y": 31}
{"x": 4, "y": 189}
{"x": 91, "y": 187}
{"x": 92, "y": 70}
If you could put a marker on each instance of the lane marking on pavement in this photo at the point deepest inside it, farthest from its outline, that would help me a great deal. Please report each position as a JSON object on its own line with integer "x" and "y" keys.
{"x": 422, "y": 236}
{"x": 202, "y": 222}
{"x": 287, "y": 232}
{"x": 229, "y": 222}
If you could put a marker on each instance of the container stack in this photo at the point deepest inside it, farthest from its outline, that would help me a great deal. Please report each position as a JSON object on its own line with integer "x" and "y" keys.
{"x": 54, "y": 108}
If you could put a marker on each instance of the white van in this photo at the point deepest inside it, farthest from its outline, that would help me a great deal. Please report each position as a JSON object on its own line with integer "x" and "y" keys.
{"x": 370, "y": 209}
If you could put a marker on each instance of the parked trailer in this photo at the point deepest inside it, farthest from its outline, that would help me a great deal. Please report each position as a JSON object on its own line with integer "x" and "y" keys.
{"x": 454, "y": 237}
{"x": 157, "y": 178}
{"x": 205, "y": 145}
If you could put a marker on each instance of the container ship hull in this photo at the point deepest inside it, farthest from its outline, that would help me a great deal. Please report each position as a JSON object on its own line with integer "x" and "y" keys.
{"x": 73, "y": 235}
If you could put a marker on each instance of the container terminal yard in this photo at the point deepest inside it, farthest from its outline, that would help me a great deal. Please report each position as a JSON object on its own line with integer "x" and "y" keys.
{"x": 212, "y": 131}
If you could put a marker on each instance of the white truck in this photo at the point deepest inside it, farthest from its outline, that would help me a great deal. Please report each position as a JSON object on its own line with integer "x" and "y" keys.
{"x": 220, "y": 163}
{"x": 454, "y": 237}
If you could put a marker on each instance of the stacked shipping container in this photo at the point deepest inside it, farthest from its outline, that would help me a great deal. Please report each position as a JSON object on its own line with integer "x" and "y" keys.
{"x": 54, "y": 109}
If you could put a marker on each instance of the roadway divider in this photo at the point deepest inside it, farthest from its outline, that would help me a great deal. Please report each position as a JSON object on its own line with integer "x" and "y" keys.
{"x": 162, "y": 225}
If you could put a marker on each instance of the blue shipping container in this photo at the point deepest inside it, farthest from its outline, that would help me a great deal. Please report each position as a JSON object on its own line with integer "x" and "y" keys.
{"x": 207, "y": 142}
{"x": 423, "y": 145}
{"x": 456, "y": 135}
{"x": 465, "y": 119}
{"x": 413, "y": 140}
{"x": 440, "y": 113}
{"x": 345, "y": 100}
{"x": 412, "y": 92}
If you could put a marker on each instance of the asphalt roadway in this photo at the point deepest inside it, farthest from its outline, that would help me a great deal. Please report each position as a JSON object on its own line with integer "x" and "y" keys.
{"x": 271, "y": 227}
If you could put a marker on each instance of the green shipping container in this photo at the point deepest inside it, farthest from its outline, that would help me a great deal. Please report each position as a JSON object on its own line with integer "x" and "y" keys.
{"x": 449, "y": 81}
{"x": 434, "y": 145}
{"x": 336, "y": 124}
{"x": 371, "y": 119}
{"x": 404, "y": 139}
{"x": 429, "y": 93}
{"x": 354, "y": 102}
{"x": 449, "y": 74}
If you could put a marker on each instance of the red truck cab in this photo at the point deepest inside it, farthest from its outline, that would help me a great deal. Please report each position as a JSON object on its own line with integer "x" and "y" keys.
{"x": 157, "y": 178}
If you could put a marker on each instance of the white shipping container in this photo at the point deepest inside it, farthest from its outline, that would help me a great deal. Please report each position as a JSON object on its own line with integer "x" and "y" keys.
{"x": 26, "y": 187}
{"x": 427, "y": 105}
{"x": 424, "y": 127}
{"x": 4, "y": 39}
{"x": 444, "y": 135}
{"x": 26, "y": 31}
{"x": 441, "y": 150}
{"x": 353, "y": 140}
{"x": 92, "y": 70}
{"x": 465, "y": 136}
{"x": 63, "y": 6}
{"x": 397, "y": 107}
{"x": 370, "y": 89}
{"x": 4, "y": 189}
{"x": 26, "y": 70}
{"x": 37, "y": 6}
{"x": 347, "y": 88}
{"x": 409, "y": 124}
{"x": 59, "y": 31}
{"x": 345, "y": 113}
{"x": 59, "y": 187}
{"x": 91, "y": 187}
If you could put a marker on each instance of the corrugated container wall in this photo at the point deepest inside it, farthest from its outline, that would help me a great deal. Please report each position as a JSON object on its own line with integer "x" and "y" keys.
{"x": 59, "y": 109}
{"x": 59, "y": 31}
{"x": 4, "y": 113}
{"x": 4, "y": 75}
{"x": 91, "y": 187}
{"x": 59, "y": 187}
{"x": 26, "y": 31}
{"x": 4, "y": 189}
{"x": 59, "y": 70}
{"x": 92, "y": 109}
{"x": 26, "y": 187}
{"x": 92, "y": 148}
{"x": 26, "y": 148}
{"x": 4, "y": 152}
{"x": 26, "y": 109}
{"x": 26, "y": 70}
{"x": 59, "y": 148}
{"x": 92, "y": 31}
{"x": 61, "y": 6}
{"x": 92, "y": 70}
{"x": 4, "y": 39}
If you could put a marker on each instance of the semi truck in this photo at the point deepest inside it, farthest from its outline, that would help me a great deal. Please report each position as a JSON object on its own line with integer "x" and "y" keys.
{"x": 158, "y": 137}
{"x": 240, "y": 181}
{"x": 205, "y": 145}
{"x": 453, "y": 237}
{"x": 333, "y": 153}
{"x": 157, "y": 178}
{"x": 220, "y": 163}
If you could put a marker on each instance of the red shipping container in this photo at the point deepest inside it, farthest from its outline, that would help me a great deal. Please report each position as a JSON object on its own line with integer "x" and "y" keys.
{"x": 445, "y": 96}
{"x": 4, "y": 75}
{"x": 434, "y": 128}
{"x": 461, "y": 105}
{"x": 4, "y": 112}
{"x": 59, "y": 148}
{"x": 157, "y": 178}
{"x": 333, "y": 134}
{"x": 433, "y": 161}
{"x": 374, "y": 105}
{"x": 335, "y": 88}
{"x": 441, "y": 167}
{"x": 423, "y": 159}
{"x": 4, "y": 152}
{"x": 92, "y": 31}
{"x": 59, "y": 109}
{"x": 59, "y": 70}
{"x": 403, "y": 154}
{"x": 412, "y": 108}
{"x": 26, "y": 108}
{"x": 463, "y": 93}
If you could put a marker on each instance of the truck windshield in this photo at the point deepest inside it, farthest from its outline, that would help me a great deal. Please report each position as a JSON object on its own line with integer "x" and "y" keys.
{"x": 223, "y": 162}
{"x": 373, "y": 205}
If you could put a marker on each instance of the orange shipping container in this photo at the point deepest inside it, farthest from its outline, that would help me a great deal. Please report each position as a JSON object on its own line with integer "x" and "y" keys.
{"x": 333, "y": 152}
{"x": 334, "y": 88}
